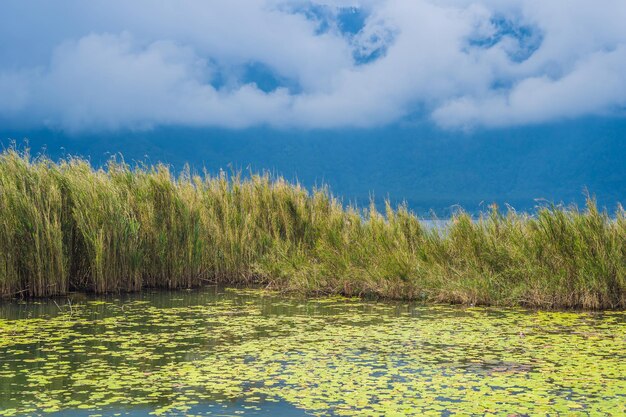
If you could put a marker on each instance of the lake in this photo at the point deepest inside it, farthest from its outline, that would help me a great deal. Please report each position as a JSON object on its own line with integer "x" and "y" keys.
{"x": 232, "y": 352}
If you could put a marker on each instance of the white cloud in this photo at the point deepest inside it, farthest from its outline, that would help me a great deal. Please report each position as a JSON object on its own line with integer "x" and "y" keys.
{"x": 116, "y": 64}
{"x": 596, "y": 85}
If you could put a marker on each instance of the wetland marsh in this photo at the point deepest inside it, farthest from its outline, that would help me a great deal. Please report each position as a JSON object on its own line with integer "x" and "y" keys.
{"x": 67, "y": 226}
{"x": 229, "y": 352}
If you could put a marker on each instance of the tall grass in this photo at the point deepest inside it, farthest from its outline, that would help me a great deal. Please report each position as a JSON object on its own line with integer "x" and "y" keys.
{"x": 66, "y": 226}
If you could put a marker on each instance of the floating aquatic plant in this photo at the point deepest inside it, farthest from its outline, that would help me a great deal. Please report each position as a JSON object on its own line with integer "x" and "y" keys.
{"x": 236, "y": 352}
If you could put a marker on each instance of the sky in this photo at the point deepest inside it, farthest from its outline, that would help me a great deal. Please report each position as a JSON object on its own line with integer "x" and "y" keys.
{"x": 460, "y": 65}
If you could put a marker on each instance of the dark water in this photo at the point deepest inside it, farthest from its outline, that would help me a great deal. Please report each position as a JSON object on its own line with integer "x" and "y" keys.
{"x": 228, "y": 352}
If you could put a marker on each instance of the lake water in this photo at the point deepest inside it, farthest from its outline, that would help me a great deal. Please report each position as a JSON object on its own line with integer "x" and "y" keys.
{"x": 225, "y": 352}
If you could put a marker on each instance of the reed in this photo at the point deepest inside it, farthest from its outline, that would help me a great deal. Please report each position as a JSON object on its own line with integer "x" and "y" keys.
{"x": 66, "y": 226}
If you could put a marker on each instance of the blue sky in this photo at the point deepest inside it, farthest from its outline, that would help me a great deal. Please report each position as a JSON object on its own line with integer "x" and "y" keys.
{"x": 113, "y": 65}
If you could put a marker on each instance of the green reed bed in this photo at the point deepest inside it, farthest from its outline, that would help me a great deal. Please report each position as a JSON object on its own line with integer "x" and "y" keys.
{"x": 66, "y": 226}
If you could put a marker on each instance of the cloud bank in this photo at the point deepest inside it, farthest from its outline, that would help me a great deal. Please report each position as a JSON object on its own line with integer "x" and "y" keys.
{"x": 114, "y": 64}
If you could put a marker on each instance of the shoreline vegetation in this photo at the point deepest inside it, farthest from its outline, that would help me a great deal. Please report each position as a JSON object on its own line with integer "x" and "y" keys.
{"x": 65, "y": 226}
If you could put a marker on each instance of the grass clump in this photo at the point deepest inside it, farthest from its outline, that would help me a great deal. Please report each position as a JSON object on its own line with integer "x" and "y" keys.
{"x": 67, "y": 226}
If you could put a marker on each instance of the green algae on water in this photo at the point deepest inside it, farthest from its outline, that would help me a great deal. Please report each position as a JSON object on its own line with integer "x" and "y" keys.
{"x": 199, "y": 353}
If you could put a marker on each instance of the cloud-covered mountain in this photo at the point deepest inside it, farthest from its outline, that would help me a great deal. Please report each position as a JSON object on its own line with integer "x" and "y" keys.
{"x": 111, "y": 65}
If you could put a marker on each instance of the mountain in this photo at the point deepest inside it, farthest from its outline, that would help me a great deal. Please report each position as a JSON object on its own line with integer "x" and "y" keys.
{"x": 418, "y": 163}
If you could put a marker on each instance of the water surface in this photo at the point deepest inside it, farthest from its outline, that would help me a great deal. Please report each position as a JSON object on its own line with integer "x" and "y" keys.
{"x": 225, "y": 352}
